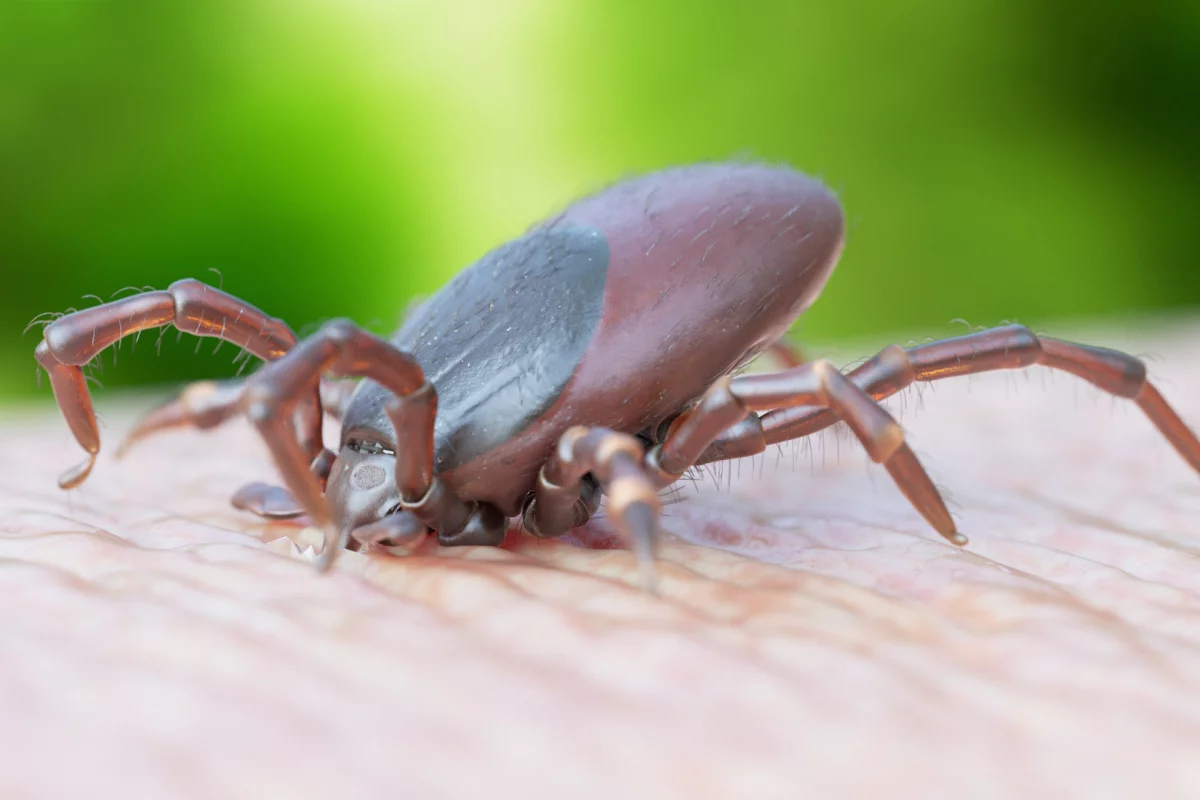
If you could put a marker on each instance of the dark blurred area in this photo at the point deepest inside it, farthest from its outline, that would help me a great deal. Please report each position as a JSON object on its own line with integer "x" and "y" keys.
{"x": 997, "y": 160}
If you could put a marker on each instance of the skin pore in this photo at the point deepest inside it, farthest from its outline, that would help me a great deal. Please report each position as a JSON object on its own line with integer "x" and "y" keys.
{"x": 813, "y": 636}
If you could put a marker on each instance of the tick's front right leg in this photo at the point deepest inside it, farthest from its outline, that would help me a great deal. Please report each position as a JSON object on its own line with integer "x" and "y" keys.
{"x": 342, "y": 349}
{"x": 193, "y": 307}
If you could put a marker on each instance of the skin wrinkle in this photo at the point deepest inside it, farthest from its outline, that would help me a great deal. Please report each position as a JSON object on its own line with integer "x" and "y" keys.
{"x": 1094, "y": 520}
{"x": 1102, "y": 567}
{"x": 598, "y": 675}
{"x": 1159, "y": 555}
{"x": 1127, "y": 630}
{"x": 589, "y": 623}
{"x": 298, "y": 633}
{"x": 809, "y": 620}
{"x": 278, "y": 696}
{"x": 641, "y": 626}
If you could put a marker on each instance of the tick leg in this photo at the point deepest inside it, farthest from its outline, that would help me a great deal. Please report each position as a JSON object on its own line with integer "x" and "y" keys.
{"x": 201, "y": 405}
{"x": 787, "y": 353}
{"x": 342, "y": 349}
{"x": 274, "y": 502}
{"x": 422, "y": 494}
{"x": 396, "y": 534}
{"x": 335, "y": 396}
{"x": 730, "y": 401}
{"x": 1010, "y": 347}
{"x": 564, "y": 498}
{"x": 267, "y": 501}
{"x": 72, "y": 341}
{"x": 207, "y": 404}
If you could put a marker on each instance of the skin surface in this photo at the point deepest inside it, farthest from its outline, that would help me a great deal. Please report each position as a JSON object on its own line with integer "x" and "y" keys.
{"x": 813, "y": 637}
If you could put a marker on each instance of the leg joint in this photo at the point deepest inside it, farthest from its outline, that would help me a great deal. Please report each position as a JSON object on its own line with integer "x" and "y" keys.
{"x": 340, "y": 331}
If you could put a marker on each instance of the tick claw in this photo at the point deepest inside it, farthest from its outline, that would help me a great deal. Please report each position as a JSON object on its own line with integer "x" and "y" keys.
{"x": 640, "y": 517}
{"x": 648, "y": 574}
{"x": 169, "y": 415}
{"x": 267, "y": 501}
{"x": 77, "y": 474}
{"x": 331, "y": 548}
{"x": 396, "y": 534}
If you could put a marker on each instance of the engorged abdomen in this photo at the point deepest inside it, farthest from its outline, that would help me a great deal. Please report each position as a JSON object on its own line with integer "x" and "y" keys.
{"x": 707, "y": 265}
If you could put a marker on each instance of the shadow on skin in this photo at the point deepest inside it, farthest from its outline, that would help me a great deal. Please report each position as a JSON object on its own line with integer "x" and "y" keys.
{"x": 813, "y": 636}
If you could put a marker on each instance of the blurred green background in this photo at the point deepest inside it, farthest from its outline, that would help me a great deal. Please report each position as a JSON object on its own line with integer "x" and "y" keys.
{"x": 999, "y": 159}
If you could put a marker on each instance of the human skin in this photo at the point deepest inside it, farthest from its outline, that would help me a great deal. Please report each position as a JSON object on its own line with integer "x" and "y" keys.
{"x": 813, "y": 638}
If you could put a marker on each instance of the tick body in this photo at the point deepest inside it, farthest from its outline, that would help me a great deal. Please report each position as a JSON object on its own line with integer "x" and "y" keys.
{"x": 597, "y": 354}
{"x": 616, "y": 314}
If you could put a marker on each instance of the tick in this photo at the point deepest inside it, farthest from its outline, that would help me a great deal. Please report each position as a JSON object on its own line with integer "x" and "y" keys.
{"x": 598, "y": 354}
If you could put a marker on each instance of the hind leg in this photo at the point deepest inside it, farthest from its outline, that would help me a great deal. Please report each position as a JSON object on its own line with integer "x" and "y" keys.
{"x": 1010, "y": 347}
{"x": 720, "y": 428}
{"x": 787, "y": 353}
{"x": 730, "y": 404}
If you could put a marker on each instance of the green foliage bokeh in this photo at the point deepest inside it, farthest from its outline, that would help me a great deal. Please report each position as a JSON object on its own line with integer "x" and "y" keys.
{"x": 997, "y": 160}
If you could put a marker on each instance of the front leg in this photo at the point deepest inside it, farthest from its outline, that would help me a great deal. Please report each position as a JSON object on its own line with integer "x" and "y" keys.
{"x": 191, "y": 306}
{"x": 342, "y": 349}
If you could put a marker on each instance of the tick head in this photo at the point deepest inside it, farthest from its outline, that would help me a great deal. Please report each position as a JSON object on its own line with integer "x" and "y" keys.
{"x": 362, "y": 483}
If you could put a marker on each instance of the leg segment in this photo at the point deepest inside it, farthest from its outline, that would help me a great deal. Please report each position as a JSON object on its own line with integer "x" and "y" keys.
{"x": 267, "y": 501}
{"x": 207, "y": 404}
{"x": 564, "y": 498}
{"x": 422, "y": 494}
{"x": 819, "y": 383}
{"x": 194, "y": 307}
{"x": 1010, "y": 347}
{"x": 201, "y": 405}
{"x": 274, "y": 502}
{"x": 787, "y": 353}
{"x": 340, "y": 348}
